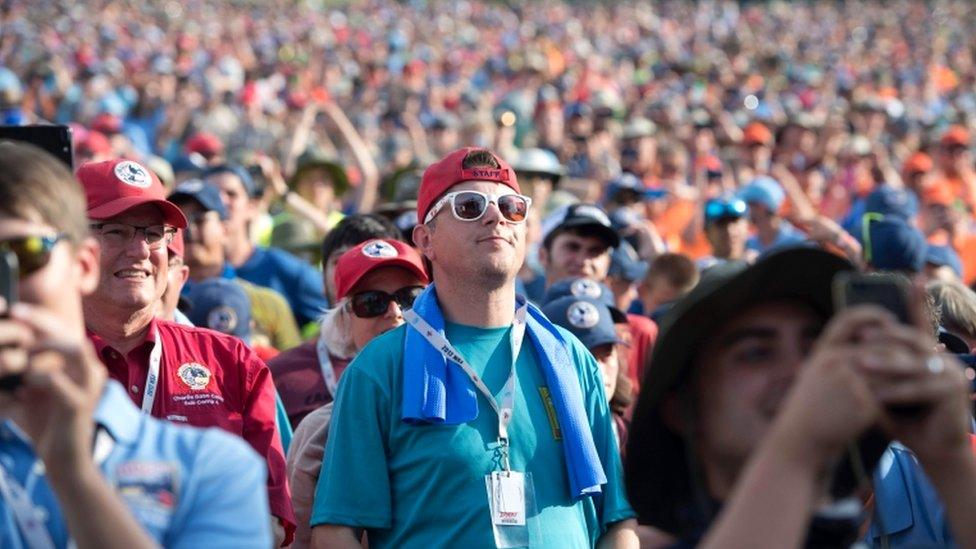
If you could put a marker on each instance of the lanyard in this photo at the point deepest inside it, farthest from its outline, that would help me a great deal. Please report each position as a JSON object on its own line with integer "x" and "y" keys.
{"x": 328, "y": 372}
{"x": 152, "y": 378}
{"x": 505, "y": 404}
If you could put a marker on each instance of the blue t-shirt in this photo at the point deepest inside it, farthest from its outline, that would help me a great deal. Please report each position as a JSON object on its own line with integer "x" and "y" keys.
{"x": 423, "y": 485}
{"x": 299, "y": 282}
{"x": 187, "y": 487}
{"x": 788, "y": 235}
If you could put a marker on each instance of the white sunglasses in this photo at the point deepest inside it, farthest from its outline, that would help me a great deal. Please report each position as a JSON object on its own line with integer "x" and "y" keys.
{"x": 471, "y": 205}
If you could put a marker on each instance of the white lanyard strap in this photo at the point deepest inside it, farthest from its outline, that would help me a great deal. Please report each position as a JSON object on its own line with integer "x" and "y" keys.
{"x": 328, "y": 372}
{"x": 505, "y": 404}
{"x": 152, "y": 377}
{"x": 28, "y": 516}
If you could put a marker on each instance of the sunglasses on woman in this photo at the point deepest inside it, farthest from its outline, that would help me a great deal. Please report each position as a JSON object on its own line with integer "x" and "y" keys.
{"x": 374, "y": 303}
{"x": 33, "y": 252}
{"x": 471, "y": 205}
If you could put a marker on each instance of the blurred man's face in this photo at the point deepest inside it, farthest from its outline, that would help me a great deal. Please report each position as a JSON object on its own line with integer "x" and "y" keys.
{"x": 204, "y": 241}
{"x": 315, "y": 185}
{"x": 236, "y": 201}
{"x": 743, "y": 374}
{"x": 728, "y": 237}
{"x": 572, "y": 255}
{"x": 175, "y": 279}
{"x": 606, "y": 357}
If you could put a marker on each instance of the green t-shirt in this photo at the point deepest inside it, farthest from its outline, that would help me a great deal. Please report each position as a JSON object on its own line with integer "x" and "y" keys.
{"x": 423, "y": 485}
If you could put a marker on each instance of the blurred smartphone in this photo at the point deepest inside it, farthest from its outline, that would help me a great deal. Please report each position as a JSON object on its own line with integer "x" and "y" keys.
{"x": 890, "y": 292}
{"x": 54, "y": 139}
{"x": 8, "y": 289}
{"x": 885, "y": 290}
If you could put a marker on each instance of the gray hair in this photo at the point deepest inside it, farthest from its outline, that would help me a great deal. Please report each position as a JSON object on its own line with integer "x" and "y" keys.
{"x": 336, "y": 331}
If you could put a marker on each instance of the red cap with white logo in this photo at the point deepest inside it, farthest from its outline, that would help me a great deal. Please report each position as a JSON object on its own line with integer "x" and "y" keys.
{"x": 114, "y": 186}
{"x": 357, "y": 262}
{"x": 449, "y": 171}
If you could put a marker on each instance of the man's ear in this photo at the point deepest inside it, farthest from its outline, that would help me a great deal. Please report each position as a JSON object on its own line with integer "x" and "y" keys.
{"x": 544, "y": 257}
{"x": 422, "y": 239}
{"x": 86, "y": 265}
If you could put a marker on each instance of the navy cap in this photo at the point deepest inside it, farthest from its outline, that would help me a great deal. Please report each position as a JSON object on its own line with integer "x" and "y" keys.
{"x": 206, "y": 194}
{"x": 627, "y": 181}
{"x": 586, "y": 318}
{"x": 589, "y": 218}
{"x": 585, "y": 287}
{"x": 221, "y": 305}
{"x": 892, "y": 203}
{"x": 893, "y": 245}
{"x": 239, "y": 171}
{"x": 626, "y": 264}
{"x": 944, "y": 256}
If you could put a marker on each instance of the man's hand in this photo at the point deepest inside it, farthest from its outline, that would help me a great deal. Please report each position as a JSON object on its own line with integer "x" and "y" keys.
{"x": 62, "y": 383}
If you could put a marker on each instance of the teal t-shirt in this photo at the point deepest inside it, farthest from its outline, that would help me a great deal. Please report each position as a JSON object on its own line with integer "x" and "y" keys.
{"x": 423, "y": 485}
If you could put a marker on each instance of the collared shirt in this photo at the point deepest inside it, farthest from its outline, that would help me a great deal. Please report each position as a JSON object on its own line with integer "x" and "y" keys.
{"x": 208, "y": 379}
{"x": 186, "y": 487}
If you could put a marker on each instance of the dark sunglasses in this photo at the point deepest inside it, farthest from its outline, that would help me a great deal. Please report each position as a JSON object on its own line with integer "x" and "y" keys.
{"x": 725, "y": 209}
{"x": 375, "y": 303}
{"x": 33, "y": 252}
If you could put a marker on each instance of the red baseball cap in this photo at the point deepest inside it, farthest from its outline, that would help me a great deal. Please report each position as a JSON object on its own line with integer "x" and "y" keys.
{"x": 357, "y": 262}
{"x": 757, "y": 132}
{"x": 447, "y": 172}
{"x": 956, "y": 135}
{"x": 106, "y": 123}
{"x": 205, "y": 144}
{"x": 114, "y": 186}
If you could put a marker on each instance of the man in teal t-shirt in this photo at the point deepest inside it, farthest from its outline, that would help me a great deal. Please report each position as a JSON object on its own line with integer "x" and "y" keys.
{"x": 417, "y": 484}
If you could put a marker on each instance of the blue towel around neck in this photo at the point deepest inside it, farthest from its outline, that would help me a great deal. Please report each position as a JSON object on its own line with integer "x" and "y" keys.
{"x": 434, "y": 392}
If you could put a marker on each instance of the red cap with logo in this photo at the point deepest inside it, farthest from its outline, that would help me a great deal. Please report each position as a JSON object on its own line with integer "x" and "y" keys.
{"x": 114, "y": 186}
{"x": 357, "y": 262}
{"x": 448, "y": 171}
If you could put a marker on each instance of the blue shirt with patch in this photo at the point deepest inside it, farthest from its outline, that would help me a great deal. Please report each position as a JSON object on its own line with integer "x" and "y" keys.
{"x": 299, "y": 282}
{"x": 187, "y": 487}
{"x": 423, "y": 485}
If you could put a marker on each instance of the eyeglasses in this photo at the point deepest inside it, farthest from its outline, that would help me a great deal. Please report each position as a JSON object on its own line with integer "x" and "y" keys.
{"x": 120, "y": 234}
{"x": 725, "y": 209}
{"x": 33, "y": 252}
{"x": 471, "y": 205}
{"x": 374, "y": 303}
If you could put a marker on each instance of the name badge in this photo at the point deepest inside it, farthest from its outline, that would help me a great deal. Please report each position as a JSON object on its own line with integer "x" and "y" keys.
{"x": 507, "y": 498}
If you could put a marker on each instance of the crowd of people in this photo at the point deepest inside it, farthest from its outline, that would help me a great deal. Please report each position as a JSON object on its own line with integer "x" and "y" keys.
{"x": 431, "y": 274}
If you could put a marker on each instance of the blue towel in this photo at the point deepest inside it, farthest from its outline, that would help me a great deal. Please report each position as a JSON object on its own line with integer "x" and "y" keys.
{"x": 436, "y": 393}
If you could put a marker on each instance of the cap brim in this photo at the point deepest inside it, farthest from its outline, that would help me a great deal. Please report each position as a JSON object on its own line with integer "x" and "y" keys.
{"x": 607, "y": 234}
{"x": 413, "y": 268}
{"x": 172, "y": 215}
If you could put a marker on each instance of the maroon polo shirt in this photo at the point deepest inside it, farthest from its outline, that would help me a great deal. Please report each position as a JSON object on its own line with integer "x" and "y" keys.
{"x": 209, "y": 379}
{"x": 298, "y": 378}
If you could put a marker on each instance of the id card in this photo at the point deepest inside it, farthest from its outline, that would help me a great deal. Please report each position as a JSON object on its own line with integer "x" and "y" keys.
{"x": 507, "y": 498}
{"x": 511, "y": 500}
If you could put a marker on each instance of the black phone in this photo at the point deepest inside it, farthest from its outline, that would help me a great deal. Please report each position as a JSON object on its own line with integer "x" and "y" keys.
{"x": 54, "y": 139}
{"x": 8, "y": 289}
{"x": 891, "y": 292}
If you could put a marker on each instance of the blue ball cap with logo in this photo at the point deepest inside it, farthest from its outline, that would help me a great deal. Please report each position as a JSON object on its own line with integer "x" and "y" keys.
{"x": 204, "y": 193}
{"x": 246, "y": 180}
{"x": 892, "y": 203}
{"x": 585, "y": 287}
{"x": 586, "y": 318}
{"x": 221, "y": 305}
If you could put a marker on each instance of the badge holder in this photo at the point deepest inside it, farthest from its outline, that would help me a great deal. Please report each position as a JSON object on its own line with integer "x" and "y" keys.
{"x": 511, "y": 500}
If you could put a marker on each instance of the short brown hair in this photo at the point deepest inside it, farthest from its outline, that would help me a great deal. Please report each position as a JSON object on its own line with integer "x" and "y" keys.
{"x": 677, "y": 270}
{"x": 35, "y": 186}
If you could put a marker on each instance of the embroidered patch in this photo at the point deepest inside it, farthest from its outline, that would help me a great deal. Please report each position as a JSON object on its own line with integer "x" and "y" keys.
{"x": 149, "y": 489}
{"x": 378, "y": 249}
{"x": 557, "y": 433}
{"x": 133, "y": 174}
{"x": 584, "y": 287}
{"x": 583, "y": 315}
{"x": 223, "y": 319}
{"x": 195, "y": 376}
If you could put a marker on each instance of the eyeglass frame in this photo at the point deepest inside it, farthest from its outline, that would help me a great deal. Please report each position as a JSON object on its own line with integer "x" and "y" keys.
{"x": 489, "y": 198}
{"x": 168, "y": 233}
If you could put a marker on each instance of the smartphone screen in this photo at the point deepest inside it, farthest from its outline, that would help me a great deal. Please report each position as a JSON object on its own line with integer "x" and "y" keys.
{"x": 54, "y": 139}
{"x": 885, "y": 290}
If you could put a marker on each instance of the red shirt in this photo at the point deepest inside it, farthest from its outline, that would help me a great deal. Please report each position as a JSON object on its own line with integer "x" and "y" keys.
{"x": 228, "y": 387}
{"x": 298, "y": 378}
{"x": 643, "y": 333}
